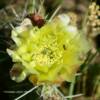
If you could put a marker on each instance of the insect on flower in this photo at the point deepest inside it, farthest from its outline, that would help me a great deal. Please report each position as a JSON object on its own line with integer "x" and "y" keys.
{"x": 47, "y": 53}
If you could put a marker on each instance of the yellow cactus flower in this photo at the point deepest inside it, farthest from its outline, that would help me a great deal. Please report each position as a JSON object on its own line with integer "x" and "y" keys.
{"x": 51, "y": 53}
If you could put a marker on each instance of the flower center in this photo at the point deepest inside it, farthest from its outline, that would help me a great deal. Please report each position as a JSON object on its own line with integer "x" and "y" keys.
{"x": 48, "y": 53}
